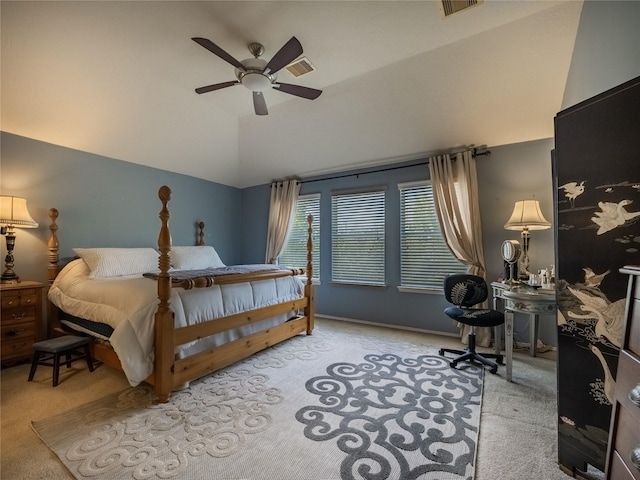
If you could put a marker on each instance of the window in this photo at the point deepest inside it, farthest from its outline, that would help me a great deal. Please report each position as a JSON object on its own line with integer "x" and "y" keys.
{"x": 294, "y": 253}
{"x": 425, "y": 259}
{"x": 357, "y": 237}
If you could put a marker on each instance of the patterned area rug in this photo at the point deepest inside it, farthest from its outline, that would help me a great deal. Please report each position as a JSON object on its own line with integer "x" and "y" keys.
{"x": 348, "y": 402}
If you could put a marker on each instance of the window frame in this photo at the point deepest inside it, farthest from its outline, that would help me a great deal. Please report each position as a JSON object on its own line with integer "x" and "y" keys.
{"x": 428, "y": 285}
{"x": 368, "y": 273}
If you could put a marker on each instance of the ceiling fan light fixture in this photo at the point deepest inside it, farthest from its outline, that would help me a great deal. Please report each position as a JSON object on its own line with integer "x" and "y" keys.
{"x": 259, "y": 75}
{"x": 256, "y": 82}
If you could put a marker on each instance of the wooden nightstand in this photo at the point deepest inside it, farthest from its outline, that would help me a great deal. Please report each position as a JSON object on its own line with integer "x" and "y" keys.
{"x": 20, "y": 320}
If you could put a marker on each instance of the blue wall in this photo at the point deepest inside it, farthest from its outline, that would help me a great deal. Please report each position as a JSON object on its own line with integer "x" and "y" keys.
{"x": 510, "y": 173}
{"x": 107, "y": 202}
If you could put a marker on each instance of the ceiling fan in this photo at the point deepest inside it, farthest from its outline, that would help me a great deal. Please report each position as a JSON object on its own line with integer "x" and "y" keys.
{"x": 258, "y": 75}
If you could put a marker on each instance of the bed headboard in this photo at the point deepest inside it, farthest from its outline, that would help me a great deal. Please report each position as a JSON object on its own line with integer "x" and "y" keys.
{"x": 53, "y": 244}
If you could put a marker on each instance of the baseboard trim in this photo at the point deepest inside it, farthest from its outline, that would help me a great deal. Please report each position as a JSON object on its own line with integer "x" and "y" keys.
{"x": 517, "y": 345}
{"x": 387, "y": 325}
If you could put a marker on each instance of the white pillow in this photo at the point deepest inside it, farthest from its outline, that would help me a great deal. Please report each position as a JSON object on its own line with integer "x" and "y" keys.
{"x": 195, "y": 258}
{"x": 115, "y": 262}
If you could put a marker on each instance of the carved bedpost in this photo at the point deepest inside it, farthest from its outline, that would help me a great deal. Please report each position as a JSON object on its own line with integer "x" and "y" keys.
{"x": 53, "y": 269}
{"x": 164, "y": 324}
{"x": 54, "y": 246}
{"x": 200, "y": 241}
{"x": 309, "y": 311}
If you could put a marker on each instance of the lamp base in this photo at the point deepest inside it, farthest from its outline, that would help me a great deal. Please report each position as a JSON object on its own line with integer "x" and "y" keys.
{"x": 524, "y": 259}
{"x": 9, "y": 277}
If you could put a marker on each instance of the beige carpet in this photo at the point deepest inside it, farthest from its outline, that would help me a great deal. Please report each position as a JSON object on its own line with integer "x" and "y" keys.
{"x": 513, "y": 414}
{"x": 337, "y": 405}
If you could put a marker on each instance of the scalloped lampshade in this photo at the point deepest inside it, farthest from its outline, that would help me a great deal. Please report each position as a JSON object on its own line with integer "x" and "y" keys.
{"x": 527, "y": 214}
{"x": 13, "y": 214}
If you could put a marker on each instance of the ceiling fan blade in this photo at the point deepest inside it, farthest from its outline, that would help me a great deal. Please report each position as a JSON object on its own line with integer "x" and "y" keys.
{"x": 297, "y": 90}
{"x": 216, "y": 86}
{"x": 287, "y": 54}
{"x": 259, "y": 104}
{"x": 216, "y": 50}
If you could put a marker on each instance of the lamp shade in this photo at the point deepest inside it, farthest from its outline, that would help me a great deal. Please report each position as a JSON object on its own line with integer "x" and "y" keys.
{"x": 14, "y": 212}
{"x": 527, "y": 215}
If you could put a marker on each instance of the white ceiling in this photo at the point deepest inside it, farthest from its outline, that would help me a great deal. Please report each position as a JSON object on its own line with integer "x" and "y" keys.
{"x": 118, "y": 78}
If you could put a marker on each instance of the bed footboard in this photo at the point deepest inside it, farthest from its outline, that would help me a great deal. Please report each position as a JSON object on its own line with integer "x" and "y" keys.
{"x": 171, "y": 372}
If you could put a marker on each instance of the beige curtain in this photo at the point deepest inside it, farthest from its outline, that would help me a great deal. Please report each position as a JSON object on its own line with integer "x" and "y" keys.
{"x": 284, "y": 196}
{"x": 455, "y": 189}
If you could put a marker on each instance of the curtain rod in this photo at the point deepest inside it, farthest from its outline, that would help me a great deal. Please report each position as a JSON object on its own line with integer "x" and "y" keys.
{"x": 387, "y": 169}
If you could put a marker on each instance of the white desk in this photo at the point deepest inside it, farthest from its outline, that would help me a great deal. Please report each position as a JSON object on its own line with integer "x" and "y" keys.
{"x": 520, "y": 299}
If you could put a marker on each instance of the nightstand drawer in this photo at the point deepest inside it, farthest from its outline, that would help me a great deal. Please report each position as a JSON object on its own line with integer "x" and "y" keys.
{"x": 13, "y": 315}
{"x": 17, "y": 332}
{"x": 20, "y": 319}
{"x": 19, "y": 348}
{"x": 23, "y": 298}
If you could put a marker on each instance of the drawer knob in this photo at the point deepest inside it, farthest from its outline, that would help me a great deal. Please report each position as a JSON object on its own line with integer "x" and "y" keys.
{"x": 15, "y": 333}
{"x": 635, "y": 457}
{"x": 16, "y": 317}
{"x": 634, "y": 395}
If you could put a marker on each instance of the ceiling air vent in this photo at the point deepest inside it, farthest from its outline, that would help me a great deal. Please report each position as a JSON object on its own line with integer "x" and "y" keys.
{"x": 449, "y": 7}
{"x": 301, "y": 67}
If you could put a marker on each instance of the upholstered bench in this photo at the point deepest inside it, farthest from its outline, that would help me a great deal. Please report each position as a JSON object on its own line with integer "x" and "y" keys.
{"x": 71, "y": 346}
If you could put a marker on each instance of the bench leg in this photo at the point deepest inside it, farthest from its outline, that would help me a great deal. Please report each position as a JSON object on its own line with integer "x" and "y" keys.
{"x": 56, "y": 369}
{"x": 34, "y": 365}
{"x": 87, "y": 354}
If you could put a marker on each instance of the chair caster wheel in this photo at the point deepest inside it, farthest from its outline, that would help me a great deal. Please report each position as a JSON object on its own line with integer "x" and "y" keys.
{"x": 500, "y": 360}
{"x": 441, "y": 353}
{"x": 494, "y": 370}
{"x": 452, "y": 364}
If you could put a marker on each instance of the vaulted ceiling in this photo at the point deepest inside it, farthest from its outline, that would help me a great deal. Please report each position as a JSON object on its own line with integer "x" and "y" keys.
{"x": 399, "y": 80}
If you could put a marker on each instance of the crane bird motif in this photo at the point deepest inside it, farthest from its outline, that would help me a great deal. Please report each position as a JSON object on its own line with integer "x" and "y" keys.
{"x": 609, "y": 382}
{"x": 592, "y": 279}
{"x": 572, "y": 190}
{"x": 608, "y": 316}
{"x": 613, "y": 215}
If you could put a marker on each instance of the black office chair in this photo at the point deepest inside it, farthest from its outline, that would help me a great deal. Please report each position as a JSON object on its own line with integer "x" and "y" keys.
{"x": 465, "y": 291}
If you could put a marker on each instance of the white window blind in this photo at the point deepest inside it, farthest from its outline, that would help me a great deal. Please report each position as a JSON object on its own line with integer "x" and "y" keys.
{"x": 357, "y": 237}
{"x": 425, "y": 259}
{"x": 294, "y": 253}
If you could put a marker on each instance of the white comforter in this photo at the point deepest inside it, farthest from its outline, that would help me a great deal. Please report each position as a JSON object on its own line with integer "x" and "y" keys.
{"x": 128, "y": 304}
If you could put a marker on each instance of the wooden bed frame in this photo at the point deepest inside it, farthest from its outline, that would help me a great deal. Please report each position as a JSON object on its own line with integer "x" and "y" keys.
{"x": 170, "y": 372}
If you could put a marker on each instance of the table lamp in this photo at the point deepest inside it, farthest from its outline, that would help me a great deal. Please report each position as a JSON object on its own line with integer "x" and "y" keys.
{"x": 526, "y": 216}
{"x": 13, "y": 214}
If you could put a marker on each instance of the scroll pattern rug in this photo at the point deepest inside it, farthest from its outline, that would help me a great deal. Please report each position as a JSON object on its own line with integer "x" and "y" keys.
{"x": 348, "y": 402}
